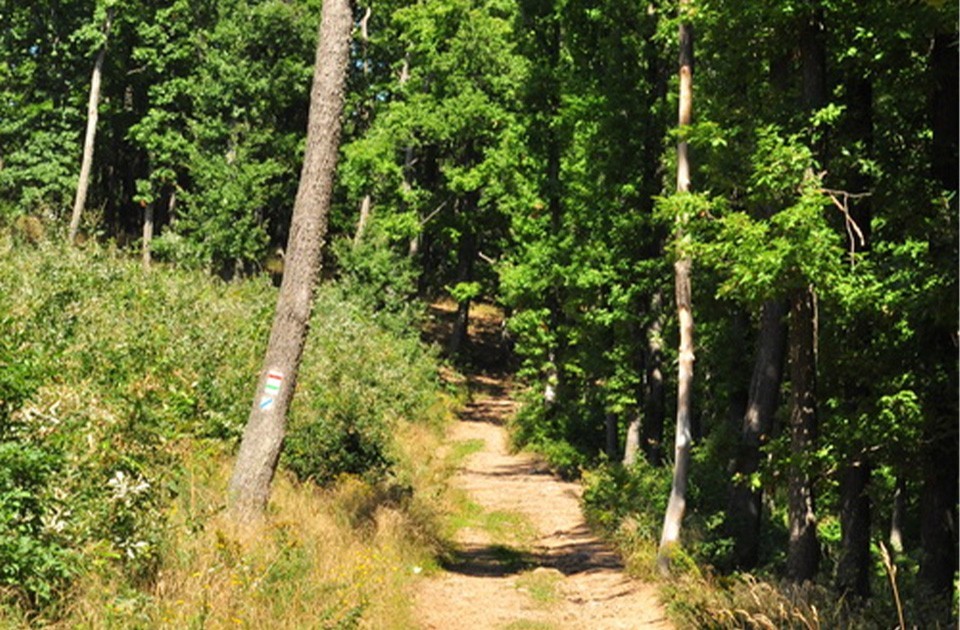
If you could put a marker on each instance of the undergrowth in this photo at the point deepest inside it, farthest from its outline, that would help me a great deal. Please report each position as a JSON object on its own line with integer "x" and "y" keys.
{"x": 122, "y": 398}
{"x": 627, "y": 505}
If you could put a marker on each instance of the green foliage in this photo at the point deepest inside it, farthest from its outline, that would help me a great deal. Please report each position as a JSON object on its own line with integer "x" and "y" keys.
{"x": 323, "y": 450}
{"x": 553, "y": 434}
{"x": 635, "y": 496}
{"x": 536, "y": 133}
{"x": 362, "y": 382}
{"x": 373, "y": 274}
{"x": 220, "y": 218}
{"x": 98, "y": 411}
{"x": 36, "y": 558}
{"x": 38, "y": 177}
{"x": 93, "y": 411}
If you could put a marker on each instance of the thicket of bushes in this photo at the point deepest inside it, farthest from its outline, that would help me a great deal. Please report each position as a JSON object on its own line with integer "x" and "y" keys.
{"x": 112, "y": 378}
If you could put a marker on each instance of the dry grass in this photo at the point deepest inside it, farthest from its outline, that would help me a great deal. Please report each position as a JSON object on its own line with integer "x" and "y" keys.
{"x": 344, "y": 557}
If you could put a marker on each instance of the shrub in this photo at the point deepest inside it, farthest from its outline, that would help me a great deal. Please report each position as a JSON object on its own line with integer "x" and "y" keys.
{"x": 362, "y": 380}
{"x": 371, "y": 274}
{"x": 323, "y": 450}
{"x": 554, "y": 434}
{"x": 613, "y": 494}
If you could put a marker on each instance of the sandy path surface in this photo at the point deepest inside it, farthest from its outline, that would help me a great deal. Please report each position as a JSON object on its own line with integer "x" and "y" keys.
{"x": 489, "y": 584}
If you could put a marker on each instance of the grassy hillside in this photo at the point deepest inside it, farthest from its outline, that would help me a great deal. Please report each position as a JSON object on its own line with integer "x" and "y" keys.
{"x": 122, "y": 397}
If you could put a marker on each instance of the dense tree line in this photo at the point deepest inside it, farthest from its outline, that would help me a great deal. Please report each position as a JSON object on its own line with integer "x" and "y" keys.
{"x": 522, "y": 152}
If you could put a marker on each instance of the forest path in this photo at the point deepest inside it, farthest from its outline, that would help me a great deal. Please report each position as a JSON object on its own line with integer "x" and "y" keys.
{"x": 524, "y": 557}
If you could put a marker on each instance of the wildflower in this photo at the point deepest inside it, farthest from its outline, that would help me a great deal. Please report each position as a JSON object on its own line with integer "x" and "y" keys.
{"x": 123, "y": 486}
{"x": 55, "y": 523}
{"x": 133, "y": 549}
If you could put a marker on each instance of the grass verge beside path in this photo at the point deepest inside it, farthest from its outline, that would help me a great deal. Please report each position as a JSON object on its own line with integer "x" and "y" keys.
{"x": 122, "y": 395}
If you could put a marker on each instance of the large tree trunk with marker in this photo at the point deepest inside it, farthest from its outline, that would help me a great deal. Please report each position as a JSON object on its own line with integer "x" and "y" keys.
{"x": 670, "y": 536}
{"x": 256, "y": 463}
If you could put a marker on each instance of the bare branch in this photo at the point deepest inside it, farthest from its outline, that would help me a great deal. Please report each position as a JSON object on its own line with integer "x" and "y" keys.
{"x": 434, "y": 213}
{"x": 841, "y": 199}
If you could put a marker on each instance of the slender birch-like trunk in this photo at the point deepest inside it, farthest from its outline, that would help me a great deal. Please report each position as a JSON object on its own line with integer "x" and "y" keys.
{"x": 93, "y": 112}
{"x": 147, "y": 235}
{"x": 670, "y": 536}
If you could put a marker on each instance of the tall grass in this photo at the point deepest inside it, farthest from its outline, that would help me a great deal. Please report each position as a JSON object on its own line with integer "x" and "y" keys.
{"x": 122, "y": 396}
{"x": 326, "y": 558}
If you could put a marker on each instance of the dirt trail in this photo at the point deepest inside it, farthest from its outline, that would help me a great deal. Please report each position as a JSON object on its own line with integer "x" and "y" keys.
{"x": 560, "y": 577}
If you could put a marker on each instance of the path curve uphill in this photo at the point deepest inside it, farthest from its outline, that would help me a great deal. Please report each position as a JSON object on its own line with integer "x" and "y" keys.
{"x": 525, "y": 558}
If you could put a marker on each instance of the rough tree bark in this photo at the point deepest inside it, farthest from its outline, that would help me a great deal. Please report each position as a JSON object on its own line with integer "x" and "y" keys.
{"x": 654, "y": 406}
{"x": 89, "y": 140}
{"x": 744, "y": 506}
{"x": 256, "y": 463}
{"x": 672, "y": 519}
{"x": 803, "y": 554}
{"x": 853, "y": 568}
{"x": 938, "y": 500}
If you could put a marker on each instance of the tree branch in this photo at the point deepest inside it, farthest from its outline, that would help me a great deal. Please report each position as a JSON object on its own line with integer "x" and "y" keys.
{"x": 841, "y": 199}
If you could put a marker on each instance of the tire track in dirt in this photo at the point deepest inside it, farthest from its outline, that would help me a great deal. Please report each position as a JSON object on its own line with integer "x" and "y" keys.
{"x": 489, "y": 584}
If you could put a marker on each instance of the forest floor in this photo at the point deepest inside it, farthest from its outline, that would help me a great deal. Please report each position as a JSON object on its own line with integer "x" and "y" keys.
{"x": 523, "y": 558}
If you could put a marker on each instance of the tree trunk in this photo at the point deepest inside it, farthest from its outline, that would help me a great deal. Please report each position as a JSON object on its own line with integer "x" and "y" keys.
{"x": 859, "y": 126}
{"x": 147, "y": 234}
{"x": 172, "y": 206}
{"x": 631, "y": 446}
{"x": 364, "y": 110}
{"x": 944, "y": 122}
{"x": 938, "y": 509}
{"x": 803, "y": 554}
{"x": 466, "y": 254}
{"x": 611, "y": 434}
{"x": 363, "y": 220}
{"x": 897, "y": 513}
{"x": 89, "y": 140}
{"x": 854, "y": 563}
{"x": 670, "y": 536}
{"x": 853, "y": 569}
{"x": 745, "y": 502}
{"x": 548, "y": 32}
{"x": 256, "y": 463}
{"x": 938, "y": 500}
{"x": 654, "y": 405}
